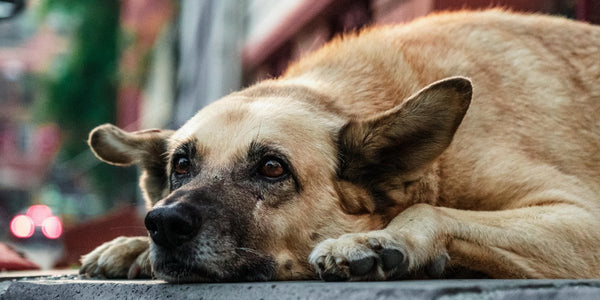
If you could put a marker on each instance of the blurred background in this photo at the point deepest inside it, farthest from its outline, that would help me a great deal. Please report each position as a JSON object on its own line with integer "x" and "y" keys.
{"x": 67, "y": 66}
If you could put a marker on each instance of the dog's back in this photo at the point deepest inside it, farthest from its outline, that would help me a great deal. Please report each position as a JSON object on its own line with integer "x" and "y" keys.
{"x": 533, "y": 122}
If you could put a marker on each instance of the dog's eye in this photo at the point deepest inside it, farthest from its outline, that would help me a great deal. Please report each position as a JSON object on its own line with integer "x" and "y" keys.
{"x": 272, "y": 168}
{"x": 182, "y": 166}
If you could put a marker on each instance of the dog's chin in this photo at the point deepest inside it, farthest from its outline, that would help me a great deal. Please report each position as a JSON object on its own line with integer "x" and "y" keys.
{"x": 173, "y": 270}
{"x": 177, "y": 272}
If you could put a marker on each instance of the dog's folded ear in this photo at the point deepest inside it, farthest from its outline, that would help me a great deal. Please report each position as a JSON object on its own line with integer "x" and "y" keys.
{"x": 118, "y": 147}
{"x": 146, "y": 148}
{"x": 406, "y": 138}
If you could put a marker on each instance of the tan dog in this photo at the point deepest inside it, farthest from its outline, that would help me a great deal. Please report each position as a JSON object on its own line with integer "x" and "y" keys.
{"x": 362, "y": 162}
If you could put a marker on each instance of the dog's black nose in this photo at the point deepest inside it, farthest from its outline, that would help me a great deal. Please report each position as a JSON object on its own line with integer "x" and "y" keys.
{"x": 171, "y": 226}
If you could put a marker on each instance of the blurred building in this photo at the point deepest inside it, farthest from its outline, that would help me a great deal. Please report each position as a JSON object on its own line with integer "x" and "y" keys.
{"x": 293, "y": 30}
{"x": 26, "y": 149}
{"x": 225, "y": 45}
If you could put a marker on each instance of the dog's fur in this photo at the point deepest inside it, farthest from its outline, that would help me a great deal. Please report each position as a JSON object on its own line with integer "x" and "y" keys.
{"x": 387, "y": 173}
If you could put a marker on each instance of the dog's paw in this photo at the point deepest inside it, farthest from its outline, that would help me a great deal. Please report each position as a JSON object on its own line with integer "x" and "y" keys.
{"x": 367, "y": 256}
{"x": 123, "y": 257}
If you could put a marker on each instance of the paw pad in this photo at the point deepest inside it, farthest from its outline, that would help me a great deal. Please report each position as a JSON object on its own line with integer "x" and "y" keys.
{"x": 355, "y": 257}
{"x": 362, "y": 266}
{"x": 391, "y": 258}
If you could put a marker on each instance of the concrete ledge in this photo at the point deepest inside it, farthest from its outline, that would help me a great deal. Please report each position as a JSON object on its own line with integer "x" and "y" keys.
{"x": 73, "y": 287}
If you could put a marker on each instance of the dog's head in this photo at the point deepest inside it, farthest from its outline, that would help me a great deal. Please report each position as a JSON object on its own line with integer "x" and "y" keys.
{"x": 247, "y": 187}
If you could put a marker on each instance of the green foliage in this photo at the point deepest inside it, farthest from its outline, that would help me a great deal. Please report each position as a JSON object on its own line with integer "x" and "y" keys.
{"x": 81, "y": 92}
{"x": 84, "y": 92}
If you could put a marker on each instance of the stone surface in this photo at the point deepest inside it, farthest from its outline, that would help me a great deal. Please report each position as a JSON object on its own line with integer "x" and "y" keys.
{"x": 70, "y": 286}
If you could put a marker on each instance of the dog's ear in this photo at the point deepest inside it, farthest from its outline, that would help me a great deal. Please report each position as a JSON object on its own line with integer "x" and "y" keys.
{"x": 406, "y": 138}
{"x": 146, "y": 148}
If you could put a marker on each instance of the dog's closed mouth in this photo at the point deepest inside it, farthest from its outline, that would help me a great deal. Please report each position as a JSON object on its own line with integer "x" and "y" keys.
{"x": 244, "y": 268}
{"x": 174, "y": 271}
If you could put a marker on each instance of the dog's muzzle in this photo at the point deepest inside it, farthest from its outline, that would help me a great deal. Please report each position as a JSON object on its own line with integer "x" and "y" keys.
{"x": 197, "y": 239}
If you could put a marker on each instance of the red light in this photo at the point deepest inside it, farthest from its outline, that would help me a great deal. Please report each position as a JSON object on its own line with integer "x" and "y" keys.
{"x": 52, "y": 227}
{"x": 22, "y": 226}
{"x": 39, "y": 213}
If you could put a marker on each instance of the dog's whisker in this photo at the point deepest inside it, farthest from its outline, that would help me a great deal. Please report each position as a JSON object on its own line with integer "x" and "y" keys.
{"x": 126, "y": 227}
{"x": 249, "y": 250}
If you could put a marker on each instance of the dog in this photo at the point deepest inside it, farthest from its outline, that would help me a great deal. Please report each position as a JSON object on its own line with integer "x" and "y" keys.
{"x": 459, "y": 143}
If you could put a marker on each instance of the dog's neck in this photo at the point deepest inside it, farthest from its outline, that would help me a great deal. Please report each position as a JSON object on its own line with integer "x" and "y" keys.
{"x": 387, "y": 199}
{"x": 402, "y": 193}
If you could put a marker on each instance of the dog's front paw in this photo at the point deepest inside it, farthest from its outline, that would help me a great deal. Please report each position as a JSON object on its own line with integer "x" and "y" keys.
{"x": 362, "y": 256}
{"x": 123, "y": 257}
{"x": 370, "y": 256}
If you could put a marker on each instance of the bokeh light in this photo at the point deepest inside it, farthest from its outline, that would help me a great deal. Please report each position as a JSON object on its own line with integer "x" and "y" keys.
{"x": 22, "y": 226}
{"x": 52, "y": 227}
{"x": 39, "y": 213}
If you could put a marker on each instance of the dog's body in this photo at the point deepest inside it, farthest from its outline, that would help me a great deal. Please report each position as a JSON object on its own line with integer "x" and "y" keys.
{"x": 347, "y": 167}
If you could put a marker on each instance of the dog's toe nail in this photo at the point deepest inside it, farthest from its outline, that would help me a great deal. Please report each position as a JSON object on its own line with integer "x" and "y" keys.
{"x": 391, "y": 258}
{"x": 134, "y": 271}
{"x": 98, "y": 272}
{"x": 83, "y": 270}
{"x": 362, "y": 266}
{"x": 374, "y": 243}
{"x": 332, "y": 276}
{"x": 320, "y": 262}
{"x": 341, "y": 261}
{"x": 436, "y": 268}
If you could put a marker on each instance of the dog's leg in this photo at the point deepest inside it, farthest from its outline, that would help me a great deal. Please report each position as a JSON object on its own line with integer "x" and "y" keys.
{"x": 123, "y": 257}
{"x": 551, "y": 240}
